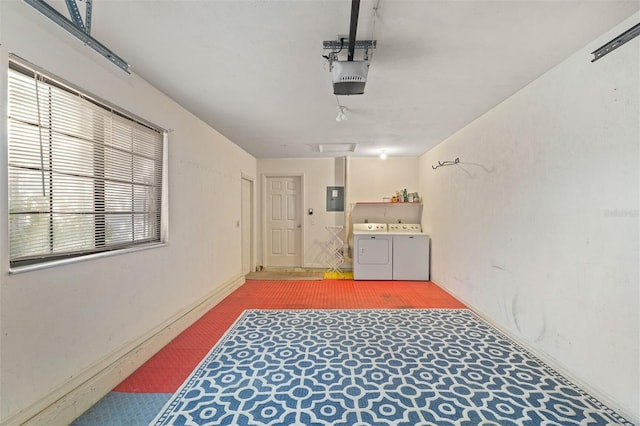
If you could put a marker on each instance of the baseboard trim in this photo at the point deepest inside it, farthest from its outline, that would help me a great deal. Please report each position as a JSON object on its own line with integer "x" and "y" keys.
{"x": 549, "y": 360}
{"x": 73, "y": 398}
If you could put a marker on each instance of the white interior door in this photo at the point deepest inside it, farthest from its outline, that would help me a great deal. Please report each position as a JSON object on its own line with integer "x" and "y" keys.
{"x": 283, "y": 221}
{"x": 247, "y": 225}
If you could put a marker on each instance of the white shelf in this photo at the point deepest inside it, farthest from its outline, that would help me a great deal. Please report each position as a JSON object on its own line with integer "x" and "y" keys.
{"x": 383, "y": 212}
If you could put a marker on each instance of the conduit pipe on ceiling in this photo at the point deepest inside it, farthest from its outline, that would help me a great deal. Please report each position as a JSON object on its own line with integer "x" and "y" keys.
{"x": 355, "y": 8}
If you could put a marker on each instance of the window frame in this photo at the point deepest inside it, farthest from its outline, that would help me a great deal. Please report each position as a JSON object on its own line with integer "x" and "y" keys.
{"x": 155, "y": 215}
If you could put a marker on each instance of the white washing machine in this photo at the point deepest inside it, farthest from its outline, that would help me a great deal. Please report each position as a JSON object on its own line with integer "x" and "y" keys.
{"x": 410, "y": 252}
{"x": 373, "y": 252}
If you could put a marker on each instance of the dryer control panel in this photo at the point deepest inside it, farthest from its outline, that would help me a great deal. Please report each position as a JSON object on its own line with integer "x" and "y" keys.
{"x": 405, "y": 227}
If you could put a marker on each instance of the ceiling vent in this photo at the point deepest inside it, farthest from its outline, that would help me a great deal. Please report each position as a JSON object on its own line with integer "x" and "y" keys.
{"x": 349, "y": 77}
{"x": 337, "y": 147}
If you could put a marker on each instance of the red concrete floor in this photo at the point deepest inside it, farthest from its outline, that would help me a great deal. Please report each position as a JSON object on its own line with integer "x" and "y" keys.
{"x": 168, "y": 369}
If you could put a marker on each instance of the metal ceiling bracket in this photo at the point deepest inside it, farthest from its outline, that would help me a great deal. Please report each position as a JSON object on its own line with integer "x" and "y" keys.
{"x": 626, "y": 36}
{"x": 75, "y": 14}
{"x": 87, "y": 15}
{"x": 337, "y": 44}
{"x": 79, "y": 31}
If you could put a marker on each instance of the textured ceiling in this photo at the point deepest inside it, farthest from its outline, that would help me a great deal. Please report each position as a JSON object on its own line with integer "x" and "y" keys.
{"x": 253, "y": 69}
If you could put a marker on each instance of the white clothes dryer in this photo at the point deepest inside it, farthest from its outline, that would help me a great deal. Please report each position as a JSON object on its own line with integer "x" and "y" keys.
{"x": 410, "y": 252}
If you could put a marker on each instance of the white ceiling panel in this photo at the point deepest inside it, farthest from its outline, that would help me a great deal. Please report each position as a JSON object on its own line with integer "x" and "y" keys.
{"x": 253, "y": 69}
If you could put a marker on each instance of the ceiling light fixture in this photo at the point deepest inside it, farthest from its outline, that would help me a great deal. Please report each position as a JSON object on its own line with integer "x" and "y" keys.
{"x": 383, "y": 155}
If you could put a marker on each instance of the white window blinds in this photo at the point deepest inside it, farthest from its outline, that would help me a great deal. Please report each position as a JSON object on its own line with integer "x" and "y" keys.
{"x": 83, "y": 176}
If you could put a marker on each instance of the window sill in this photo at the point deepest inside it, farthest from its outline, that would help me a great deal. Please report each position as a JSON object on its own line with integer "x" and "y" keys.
{"x": 55, "y": 263}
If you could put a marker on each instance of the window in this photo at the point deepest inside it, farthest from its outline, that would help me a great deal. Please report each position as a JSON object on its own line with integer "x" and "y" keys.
{"x": 84, "y": 177}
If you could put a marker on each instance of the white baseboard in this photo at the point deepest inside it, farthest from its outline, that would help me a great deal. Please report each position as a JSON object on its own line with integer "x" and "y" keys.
{"x": 73, "y": 398}
{"x": 550, "y": 361}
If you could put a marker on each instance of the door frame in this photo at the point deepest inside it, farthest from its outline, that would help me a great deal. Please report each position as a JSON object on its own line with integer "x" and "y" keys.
{"x": 263, "y": 221}
{"x": 252, "y": 221}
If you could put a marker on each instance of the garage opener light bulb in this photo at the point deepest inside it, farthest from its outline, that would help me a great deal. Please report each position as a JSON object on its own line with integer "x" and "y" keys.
{"x": 341, "y": 114}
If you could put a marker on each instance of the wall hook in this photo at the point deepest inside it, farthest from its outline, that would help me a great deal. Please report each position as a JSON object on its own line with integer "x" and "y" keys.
{"x": 446, "y": 163}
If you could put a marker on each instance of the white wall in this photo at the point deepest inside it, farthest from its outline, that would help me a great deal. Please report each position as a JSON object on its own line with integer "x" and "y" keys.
{"x": 318, "y": 174}
{"x": 537, "y": 228}
{"x": 60, "y": 323}
{"x": 371, "y": 179}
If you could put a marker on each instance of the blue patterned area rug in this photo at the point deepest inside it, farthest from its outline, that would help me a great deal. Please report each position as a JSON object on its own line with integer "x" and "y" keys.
{"x": 375, "y": 367}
